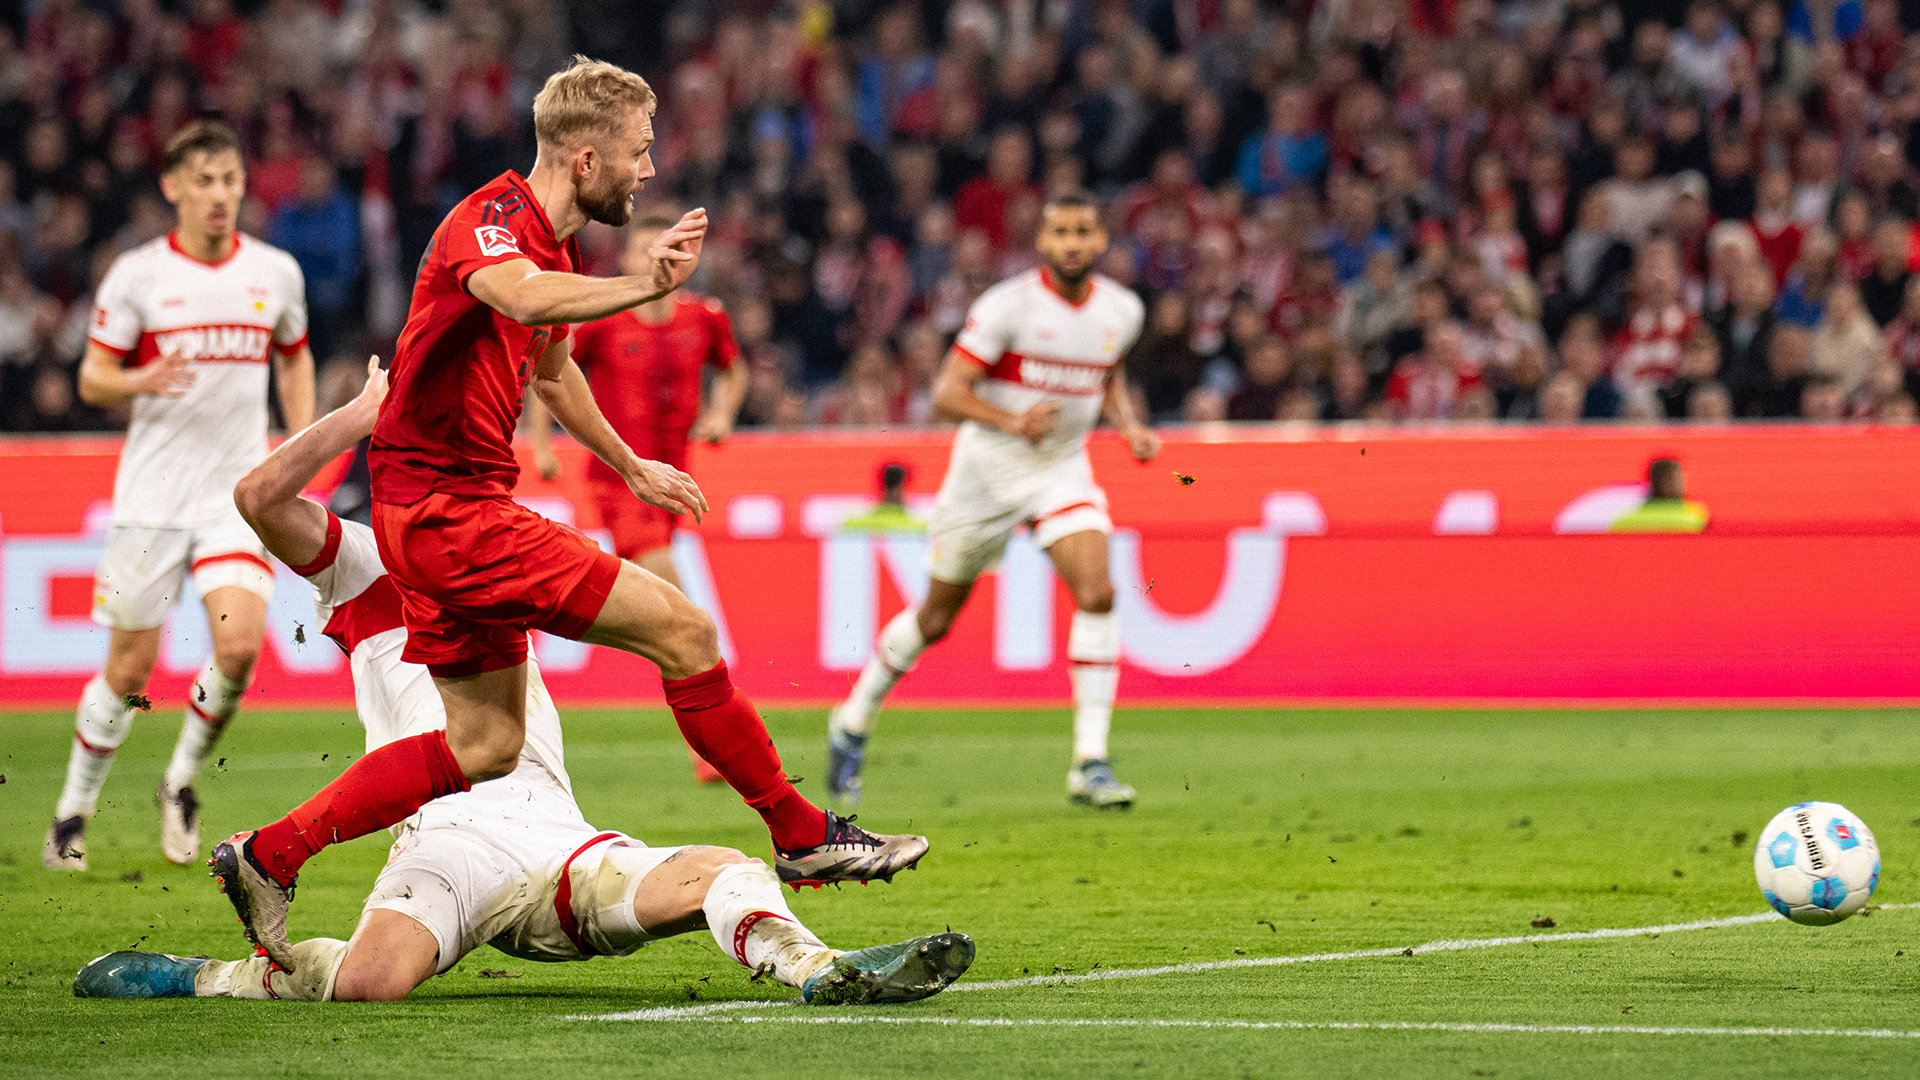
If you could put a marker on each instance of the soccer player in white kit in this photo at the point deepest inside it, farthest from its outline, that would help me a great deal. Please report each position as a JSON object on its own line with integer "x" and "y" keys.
{"x": 512, "y": 862}
{"x": 1035, "y": 367}
{"x": 183, "y": 330}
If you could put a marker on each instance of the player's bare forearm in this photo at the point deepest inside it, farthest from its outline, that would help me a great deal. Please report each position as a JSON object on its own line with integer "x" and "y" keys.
{"x": 294, "y": 376}
{"x": 531, "y": 296}
{"x": 723, "y": 408}
{"x": 954, "y": 398}
{"x": 106, "y": 382}
{"x": 564, "y": 389}
{"x": 293, "y": 528}
{"x": 564, "y": 392}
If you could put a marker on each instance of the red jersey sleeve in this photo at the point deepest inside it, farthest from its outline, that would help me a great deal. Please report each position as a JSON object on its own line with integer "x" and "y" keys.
{"x": 482, "y": 236}
{"x": 724, "y": 350}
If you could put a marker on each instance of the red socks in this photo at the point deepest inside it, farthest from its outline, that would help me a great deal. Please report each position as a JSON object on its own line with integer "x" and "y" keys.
{"x": 384, "y": 788}
{"x": 722, "y": 726}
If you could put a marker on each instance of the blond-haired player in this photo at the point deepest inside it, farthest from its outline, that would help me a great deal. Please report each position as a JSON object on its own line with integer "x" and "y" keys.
{"x": 511, "y": 863}
{"x": 1034, "y": 368}
{"x": 184, "y": 330}
{"x": 475, "y": 570}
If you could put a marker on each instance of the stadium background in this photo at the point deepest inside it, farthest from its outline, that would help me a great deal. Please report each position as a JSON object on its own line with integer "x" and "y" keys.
{"x": 1564, "y": 192}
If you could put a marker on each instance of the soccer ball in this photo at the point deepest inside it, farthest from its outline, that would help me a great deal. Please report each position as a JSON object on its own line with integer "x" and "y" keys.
{"x": 1817, "y": 863}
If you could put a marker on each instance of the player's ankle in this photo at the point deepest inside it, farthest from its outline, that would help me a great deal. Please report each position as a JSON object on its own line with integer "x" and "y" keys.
{"x": 793, "y": 821}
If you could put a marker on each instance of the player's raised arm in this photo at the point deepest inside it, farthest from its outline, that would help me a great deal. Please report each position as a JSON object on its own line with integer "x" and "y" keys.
{"x": 294, "y": 528}
{"x": 563, "y": 388}
{"x": 531, "y": 296}
{"x": 954, "y": 398}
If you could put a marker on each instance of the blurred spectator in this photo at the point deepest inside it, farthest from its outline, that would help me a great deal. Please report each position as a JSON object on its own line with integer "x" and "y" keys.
{"x": 1746, "y": 335}
{"x": 1789, "y": 366}
{"x": 321, "y": 230}
{"x": 1289, "y": 153}
{"x": 982, "y": 202}
{"x": 1269, "y": 367}
{"x": 1164, "y": 366}
{"x": 1883, "y": 289}
{"x": 1709, "y": 403}
{"x": 1846, "y": 345}
{"x": 1583, "y": 358}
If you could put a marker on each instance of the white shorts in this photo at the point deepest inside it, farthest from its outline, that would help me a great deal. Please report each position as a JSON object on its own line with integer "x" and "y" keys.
{"x": 982, "y": 502}
{"x": 468, "y": 893}
{"x": 142, "y": 570}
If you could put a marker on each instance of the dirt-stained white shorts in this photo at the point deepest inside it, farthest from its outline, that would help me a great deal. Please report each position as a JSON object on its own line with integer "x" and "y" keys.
{"x": 982, "y": 502}
{"x": 469, "y": 892}
{"x": 142, "y": 571}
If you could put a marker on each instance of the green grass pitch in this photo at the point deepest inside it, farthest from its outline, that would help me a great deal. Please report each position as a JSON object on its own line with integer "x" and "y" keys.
{"x": 1259, "y": 834}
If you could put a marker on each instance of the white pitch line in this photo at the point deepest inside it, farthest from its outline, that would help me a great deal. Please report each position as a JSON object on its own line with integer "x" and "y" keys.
{"x": 671, "y": 1012}
{"x": 1313, "y": 1025}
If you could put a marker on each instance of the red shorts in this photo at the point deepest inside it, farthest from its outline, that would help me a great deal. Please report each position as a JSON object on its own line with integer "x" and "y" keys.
{"x": 638, "y": 528}
{"x": 476, "y": 574}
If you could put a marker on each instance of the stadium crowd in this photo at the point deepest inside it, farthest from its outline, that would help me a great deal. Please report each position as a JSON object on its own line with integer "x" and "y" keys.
{"x": 1396, "y": 210}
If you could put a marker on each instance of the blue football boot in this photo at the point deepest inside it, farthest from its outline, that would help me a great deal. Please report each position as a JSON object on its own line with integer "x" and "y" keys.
{"x": 891, "y": 974}
{"x": 135, "y": 974}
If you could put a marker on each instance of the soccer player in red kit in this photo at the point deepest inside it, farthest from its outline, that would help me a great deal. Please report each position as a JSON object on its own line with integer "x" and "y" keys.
{"x": 645, "y": 366}
{"x": 476, "y": 571}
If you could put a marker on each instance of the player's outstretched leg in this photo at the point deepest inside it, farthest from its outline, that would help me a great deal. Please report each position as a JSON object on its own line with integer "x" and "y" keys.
{"x": 134, "y": 974}
{"x": 100, "y": 725}
{"x": 810, "y": 846}
{"x": 647, "y": 617}
{"x": 752, "y": 923}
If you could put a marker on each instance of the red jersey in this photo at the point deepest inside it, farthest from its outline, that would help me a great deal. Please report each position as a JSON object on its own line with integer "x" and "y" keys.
{"x": 462, "y": 368}
{"x": 646, "y": 378}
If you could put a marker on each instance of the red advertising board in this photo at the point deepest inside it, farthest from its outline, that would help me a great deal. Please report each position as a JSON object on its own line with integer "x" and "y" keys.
{"x": 1309, "y": 564}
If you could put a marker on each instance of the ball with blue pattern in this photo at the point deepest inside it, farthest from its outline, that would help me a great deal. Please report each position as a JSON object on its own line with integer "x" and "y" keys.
{"x": 1816, "y": 863}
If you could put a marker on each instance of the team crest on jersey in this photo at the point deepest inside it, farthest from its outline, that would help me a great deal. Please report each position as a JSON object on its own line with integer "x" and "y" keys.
{"x": 1109, "y": 339}
{"x": 495, "y": 240}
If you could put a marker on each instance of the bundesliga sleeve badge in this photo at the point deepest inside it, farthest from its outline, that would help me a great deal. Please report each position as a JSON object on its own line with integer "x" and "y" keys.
{"x": 495, "y": 240}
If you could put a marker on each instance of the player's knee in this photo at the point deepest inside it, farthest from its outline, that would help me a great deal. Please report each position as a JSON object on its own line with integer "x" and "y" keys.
{"x": 693, "y": 643}
{"x": 489, "y": 755}
{"x": 128, "y": 674}
{"x": 1096, "y": 598}
{"x": 235, "y": 659}
{"x": 711, "y": 860}
{"x": 935, "y": 623}
{"x": 369, "y": 982}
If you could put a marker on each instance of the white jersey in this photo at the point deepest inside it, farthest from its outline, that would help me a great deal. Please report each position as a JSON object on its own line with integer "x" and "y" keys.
{"x": 356, "y": 605}
{"x": 184, "y": 455}
{"x": 1038, "y": 347}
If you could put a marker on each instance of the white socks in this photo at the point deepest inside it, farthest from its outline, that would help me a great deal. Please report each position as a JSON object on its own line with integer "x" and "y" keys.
{"x": 752, "y": 923}
{"x": 211, "y": 702}
{"x": 316, "y": 960}
{"x": 100, "y": 725}
{"x": 894, "y": 654}
{"x": 1093, "y": 646}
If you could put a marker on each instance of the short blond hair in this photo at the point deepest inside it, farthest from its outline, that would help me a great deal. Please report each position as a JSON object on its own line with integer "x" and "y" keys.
{"x": 586, "y": 98}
